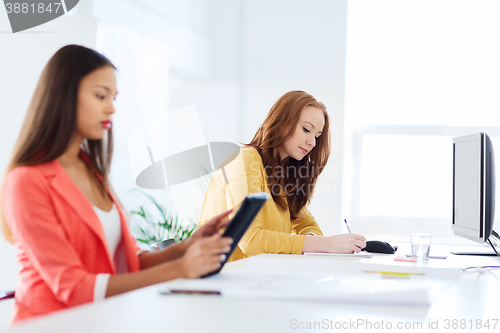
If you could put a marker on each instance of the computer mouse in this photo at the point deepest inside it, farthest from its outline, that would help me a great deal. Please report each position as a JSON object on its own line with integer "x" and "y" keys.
{"x": 379, "y": 247}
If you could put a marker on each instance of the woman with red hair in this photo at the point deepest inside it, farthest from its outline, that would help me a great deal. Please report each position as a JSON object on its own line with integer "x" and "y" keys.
{"x": 285, "y": 158}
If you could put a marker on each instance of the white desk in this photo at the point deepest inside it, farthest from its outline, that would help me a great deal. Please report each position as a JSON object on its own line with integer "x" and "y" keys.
{"x": 474, "y": 297}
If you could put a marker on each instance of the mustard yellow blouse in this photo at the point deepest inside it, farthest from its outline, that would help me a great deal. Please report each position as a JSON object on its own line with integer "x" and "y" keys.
{"x": 272, "y": 231}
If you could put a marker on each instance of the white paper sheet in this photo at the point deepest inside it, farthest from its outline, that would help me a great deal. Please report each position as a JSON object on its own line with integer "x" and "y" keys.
{"x": 270, "y": 278}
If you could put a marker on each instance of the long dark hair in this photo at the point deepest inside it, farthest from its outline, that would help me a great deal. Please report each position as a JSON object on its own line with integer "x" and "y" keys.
{"x": 50, "y": 121}
{"x": 276, "y": 129}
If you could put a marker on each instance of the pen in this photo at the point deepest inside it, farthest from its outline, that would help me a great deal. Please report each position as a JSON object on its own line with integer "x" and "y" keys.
{"x": 196, "y": 292}
{"x": 347, "y": 226}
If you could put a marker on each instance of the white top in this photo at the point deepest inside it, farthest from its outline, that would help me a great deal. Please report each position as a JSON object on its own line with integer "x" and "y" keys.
{"x": 113, "y": 232}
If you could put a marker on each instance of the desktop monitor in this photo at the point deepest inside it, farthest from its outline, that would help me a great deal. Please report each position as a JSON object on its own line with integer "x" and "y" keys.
{"x": 473, "y": 187}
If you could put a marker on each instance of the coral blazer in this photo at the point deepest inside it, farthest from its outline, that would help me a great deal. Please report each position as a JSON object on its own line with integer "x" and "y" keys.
{"x": 61, "y": 241}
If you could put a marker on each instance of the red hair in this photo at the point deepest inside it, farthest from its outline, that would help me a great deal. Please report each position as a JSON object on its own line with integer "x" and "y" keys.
{"x": 276, "y": 129}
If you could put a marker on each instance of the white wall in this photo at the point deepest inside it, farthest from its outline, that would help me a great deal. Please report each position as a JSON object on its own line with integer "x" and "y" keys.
{"x": 297, "y": 45}
{"x": 198, "y": 41}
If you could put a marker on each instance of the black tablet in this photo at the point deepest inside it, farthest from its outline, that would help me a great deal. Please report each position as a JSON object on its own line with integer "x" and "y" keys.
{"x": 241, "y": 221}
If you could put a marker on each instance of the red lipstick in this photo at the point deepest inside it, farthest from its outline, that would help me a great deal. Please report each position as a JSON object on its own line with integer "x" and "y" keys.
{"x": 106, "y": 124}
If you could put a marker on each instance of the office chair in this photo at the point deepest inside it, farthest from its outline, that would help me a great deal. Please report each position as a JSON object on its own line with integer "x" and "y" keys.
{"x": 7, "y": 295}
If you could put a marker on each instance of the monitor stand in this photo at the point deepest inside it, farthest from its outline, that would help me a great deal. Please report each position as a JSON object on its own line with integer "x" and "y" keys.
{"x": 495, "y": 240}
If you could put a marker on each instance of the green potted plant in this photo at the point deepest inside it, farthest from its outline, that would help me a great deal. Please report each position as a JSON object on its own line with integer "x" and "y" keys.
{"x": 157, "y": 228}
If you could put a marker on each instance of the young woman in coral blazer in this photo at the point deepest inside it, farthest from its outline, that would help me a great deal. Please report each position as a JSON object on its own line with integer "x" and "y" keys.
{"x": 74, "y": 242}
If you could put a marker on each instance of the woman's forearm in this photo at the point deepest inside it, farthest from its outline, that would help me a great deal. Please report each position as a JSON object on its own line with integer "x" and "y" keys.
{"x": 345, "y": 243}
{"x": 121, "y": 283}
{"x": 198, "y": 259}
{"x": 172, "y": 252}
{"x": 315, "y": 244}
